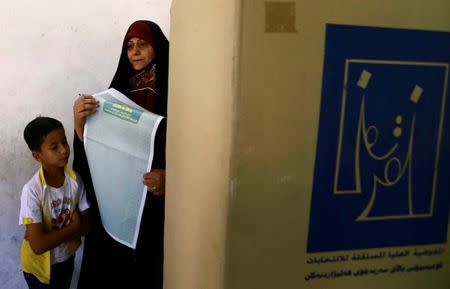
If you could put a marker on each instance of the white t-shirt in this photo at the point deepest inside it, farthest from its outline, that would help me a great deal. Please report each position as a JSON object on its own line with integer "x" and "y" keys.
{"x": 57, "y": 201}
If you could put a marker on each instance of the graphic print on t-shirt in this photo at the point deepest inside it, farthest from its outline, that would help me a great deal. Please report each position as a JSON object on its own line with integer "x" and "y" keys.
{"x": 60, "y": 212}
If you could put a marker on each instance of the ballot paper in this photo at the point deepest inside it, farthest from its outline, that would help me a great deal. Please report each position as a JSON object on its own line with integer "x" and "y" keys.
{"x": 119, "y": 142}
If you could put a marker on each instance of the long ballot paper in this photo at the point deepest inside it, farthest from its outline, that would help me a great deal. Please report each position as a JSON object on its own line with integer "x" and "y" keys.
{"x": 119, "y": 143}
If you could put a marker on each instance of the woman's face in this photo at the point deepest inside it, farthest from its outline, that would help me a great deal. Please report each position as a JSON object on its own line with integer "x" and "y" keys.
{"x": 140, "y": 53}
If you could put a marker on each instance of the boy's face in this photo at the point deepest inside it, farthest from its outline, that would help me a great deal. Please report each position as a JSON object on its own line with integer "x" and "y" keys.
{"x": 54, "y": 151}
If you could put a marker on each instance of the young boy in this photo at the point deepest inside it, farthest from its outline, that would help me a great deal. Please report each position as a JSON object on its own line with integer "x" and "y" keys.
{"x": 53, "y": 209}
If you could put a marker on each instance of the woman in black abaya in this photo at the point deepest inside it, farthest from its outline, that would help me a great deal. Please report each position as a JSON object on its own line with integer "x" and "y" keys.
{"x": 142, "y": 76}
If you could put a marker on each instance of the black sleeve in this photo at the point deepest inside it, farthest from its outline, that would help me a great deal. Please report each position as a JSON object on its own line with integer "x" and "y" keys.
{"x": 159, "y": 156}
{"x": 81, "y": 166}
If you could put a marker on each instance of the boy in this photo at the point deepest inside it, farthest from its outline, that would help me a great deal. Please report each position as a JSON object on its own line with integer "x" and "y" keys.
{"x": 53, "y": 209}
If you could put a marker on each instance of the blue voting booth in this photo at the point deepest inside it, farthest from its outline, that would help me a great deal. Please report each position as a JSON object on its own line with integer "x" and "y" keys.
{"x": 382, "y": 159}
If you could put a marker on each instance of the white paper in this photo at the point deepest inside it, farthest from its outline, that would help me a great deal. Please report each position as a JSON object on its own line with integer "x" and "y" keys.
{"x": 119, "y": 143}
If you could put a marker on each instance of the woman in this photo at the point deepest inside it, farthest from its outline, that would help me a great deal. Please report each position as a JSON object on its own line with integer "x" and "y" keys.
{"x": 142, "y": 76}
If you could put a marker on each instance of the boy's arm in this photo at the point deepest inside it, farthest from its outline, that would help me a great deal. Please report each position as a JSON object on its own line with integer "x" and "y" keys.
{"x": 85, "y": 225}
{"x": 42, "y": 241}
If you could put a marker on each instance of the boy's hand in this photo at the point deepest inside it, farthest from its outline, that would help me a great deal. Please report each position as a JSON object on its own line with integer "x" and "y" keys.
{"x": 75, "y": 221}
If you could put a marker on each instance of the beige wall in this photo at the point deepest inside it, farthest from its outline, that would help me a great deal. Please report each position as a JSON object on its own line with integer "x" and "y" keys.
{"x": 202, "y": 63}
{"x": 274, "y": 148}
{"x": 240, "y": 162}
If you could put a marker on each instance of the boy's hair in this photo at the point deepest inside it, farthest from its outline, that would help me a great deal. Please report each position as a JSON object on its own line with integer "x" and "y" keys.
{"x": 37, "y": 129}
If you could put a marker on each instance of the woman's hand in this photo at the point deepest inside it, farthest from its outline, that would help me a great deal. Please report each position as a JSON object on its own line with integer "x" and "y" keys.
{"x": 83, "y": 106}
{"x": 155, "y": 180}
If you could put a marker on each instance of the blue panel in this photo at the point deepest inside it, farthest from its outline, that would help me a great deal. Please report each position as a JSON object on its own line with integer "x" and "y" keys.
{"x": 382, "y": 165}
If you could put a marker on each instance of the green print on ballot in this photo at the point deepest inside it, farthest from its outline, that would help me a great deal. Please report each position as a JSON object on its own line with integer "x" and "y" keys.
{"x": 122, "y": 111}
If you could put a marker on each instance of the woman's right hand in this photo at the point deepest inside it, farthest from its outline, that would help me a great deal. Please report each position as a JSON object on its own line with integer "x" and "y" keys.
{"x": 84, "y": 106}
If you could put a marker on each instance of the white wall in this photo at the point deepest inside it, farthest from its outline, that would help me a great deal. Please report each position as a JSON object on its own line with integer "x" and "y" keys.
{"x": 50, "y": 52}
